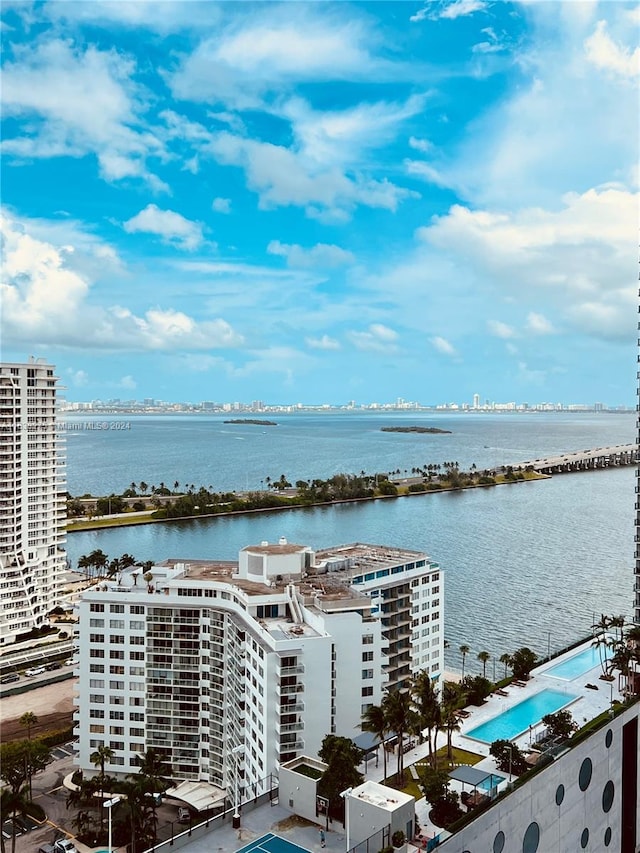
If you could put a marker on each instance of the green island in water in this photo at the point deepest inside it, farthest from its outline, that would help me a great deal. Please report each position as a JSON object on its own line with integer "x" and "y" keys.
{"x": 250, "y": 421}
{"x": 430, "y": 430}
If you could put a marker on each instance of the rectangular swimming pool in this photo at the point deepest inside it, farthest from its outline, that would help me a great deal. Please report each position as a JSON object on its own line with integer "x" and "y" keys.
{"x": 579, "y": 664}
{"x": 517, "y": 720}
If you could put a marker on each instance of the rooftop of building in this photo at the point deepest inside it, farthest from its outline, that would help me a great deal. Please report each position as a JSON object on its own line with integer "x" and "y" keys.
{"x": 380, "y": 796}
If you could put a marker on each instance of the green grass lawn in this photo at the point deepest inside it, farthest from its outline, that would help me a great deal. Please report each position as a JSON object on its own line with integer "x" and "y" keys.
{"x": 460, "y": 756}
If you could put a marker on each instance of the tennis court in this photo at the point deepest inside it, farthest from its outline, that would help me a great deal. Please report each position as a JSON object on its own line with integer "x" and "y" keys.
{"x": 271, "y": 843}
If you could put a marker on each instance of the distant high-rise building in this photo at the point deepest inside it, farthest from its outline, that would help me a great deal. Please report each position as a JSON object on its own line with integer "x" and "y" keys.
{"x": 32, "y": 502}
{"x": 476, "y": 401}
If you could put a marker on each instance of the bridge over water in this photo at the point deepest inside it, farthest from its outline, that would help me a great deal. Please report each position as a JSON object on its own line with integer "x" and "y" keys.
{"x": 585, "y": 460}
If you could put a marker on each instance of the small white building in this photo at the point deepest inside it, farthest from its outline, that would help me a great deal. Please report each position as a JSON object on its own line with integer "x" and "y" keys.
{"x": 372, "y": 807}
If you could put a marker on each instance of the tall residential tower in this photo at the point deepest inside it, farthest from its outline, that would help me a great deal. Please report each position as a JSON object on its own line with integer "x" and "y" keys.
{"x": 32, "y": 501}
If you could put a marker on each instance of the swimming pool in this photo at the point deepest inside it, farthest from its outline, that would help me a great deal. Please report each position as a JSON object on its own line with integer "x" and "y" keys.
{"x": 579, "y": 664}
{"x": 517, "y": 720}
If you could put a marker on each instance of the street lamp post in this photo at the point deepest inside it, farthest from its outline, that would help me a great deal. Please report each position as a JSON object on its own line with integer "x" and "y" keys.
{"x": 237, "y": 750}
{"x": 109, "y": 804}
{"x": 509, "y": 746}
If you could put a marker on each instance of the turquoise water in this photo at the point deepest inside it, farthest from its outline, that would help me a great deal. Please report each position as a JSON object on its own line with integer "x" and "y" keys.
{"x": 517, "y": 720}
{"x": 492, "y": 782}
{"x": 579, "y": 664}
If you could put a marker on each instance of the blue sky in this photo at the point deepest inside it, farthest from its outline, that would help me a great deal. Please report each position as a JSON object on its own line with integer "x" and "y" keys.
{"x": 320, "y": 202}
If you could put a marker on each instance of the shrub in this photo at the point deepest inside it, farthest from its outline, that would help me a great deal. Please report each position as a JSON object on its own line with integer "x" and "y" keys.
{"x": 398, "y": 838}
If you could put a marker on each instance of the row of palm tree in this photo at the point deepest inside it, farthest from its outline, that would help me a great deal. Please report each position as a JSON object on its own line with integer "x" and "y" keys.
{"x": 413, "y": 712}
{"x": 610, "y": 636}
{"x": 483, "y": 657}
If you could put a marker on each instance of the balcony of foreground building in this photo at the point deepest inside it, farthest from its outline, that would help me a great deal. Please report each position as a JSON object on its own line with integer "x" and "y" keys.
{"x": 289, "y": 689}
{"x": 294, "y": 707}
{"x": 287, "y": 728}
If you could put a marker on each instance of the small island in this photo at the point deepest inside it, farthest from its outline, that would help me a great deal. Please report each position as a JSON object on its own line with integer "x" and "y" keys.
{"x": 250, "y": 421}
{"x": 429, "y": 430}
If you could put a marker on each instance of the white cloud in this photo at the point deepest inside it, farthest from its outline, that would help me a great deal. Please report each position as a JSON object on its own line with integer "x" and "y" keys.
{"x": 171, "y": 226}
{"x": 339, "y": 137}
{"x": 443, "y": 346}
{"x": 128, "y": 383}
{"x": 323, "y": 343}
{"x": 278, "y": 46}
{"x": 78, "y": 378}
{"x": 457, "y": 9}
{"x": 47, "y": 303}
{"x": 221, "y": 205}
{"x": 501, "y": 330}
{"x": 577, "y": 258}
{"x": 320, "y": 255}
{"x": 165, "y": 16}
{"x": 603, "y": 52}
{"x": 378, "y": 338}
{"x": 82, "y": 103}
{"x": 420, "y": 144}
{"x": 281, "y": 178}
{"x": 538, "y": 324}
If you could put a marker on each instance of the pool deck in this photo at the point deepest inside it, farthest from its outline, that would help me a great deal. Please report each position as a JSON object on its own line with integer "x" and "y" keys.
{"x": 587, "y": 705}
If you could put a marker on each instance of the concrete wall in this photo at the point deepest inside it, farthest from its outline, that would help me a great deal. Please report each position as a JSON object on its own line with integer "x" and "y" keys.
{"x": 297, "y": 792}
{"x": 568, "y": 819}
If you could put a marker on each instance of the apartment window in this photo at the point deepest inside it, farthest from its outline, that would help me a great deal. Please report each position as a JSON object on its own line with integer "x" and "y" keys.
{"x": 436, "y": 602}
{"x": 137, "y": 686}
{"x": 136, "y": 701}
{"x": 116, "y": 730}
{"x": 136, "y": 655}
{"x": 94, "y": 743}
{"x": 435, "y": 615}
{"x": 96, "y": 638}
{"x": 116, "y": 685}
{"x": 116, "y": 744}
{"x": 97, "y": 713}
{"x": 116, "y": 670}
{"x": 136, "y": 641}
{"x": 95, "y": 729}
{"x": 367, "y": 691}
{"x": 116, "y": 700}
{"x": 117, "y": 759}
{"x": 367, "y": 639}
{"x": 365, "y": 707}
{"x": 97, "y": 682}
{"x": 96, "y": 608}
{"x": 136, "y": 732}
{"x": 436, "y": 589}
{"x": 116, "y": 608}
{"x": 136, "y": 670}
{"x": 116, "y": 623}
{"x": 136, "y": 625}
{"x": 116, "y": 639}
{"x": 96, "y": 623}
{"x": 367, "y": 673}
{"x": 96, "y": 667}
{"x": 116, "y": 654}
{"x": 136, "y": 608}
{"x": 136, "y": 716}
{"x": 116, "y": 715}
{"x": 96, "y": 698}
{"x": 367, "y": 656}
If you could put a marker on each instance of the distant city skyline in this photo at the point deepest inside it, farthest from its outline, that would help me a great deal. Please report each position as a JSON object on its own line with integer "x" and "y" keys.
{"x": 322, "y": 201}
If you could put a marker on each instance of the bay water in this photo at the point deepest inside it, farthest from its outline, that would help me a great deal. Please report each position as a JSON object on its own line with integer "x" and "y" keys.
{"x": 529, "y": 563}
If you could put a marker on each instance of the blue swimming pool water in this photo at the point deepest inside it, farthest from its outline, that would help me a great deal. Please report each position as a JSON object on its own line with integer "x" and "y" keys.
{"x": 579, "y": 664}
{"x": 492, "y": 782}
{"x": 517, "y": 720}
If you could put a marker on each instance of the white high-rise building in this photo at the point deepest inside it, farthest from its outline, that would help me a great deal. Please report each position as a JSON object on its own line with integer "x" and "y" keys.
{"x": 229, "y": 669}
{"x": 32, "y": 500}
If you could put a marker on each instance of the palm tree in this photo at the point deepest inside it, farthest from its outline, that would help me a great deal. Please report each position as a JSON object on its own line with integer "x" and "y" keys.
{"x": 464, "y": 651}
{"x": 483, "y": 657}
{"x": 601, "y": 640}
{"x": 427, "y": 707}
{"x": 451, "y": 724}
{"x": 99, "y": 758}
{"x": 374, "y": 721}
{"x": 28, "y": 720}
{"x": 12, "y": 803}
{"x": 397, "y": 709}
{"x": 506, "y": 660}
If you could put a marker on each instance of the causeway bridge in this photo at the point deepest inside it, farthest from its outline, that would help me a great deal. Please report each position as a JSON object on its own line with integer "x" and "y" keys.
{"x": 585, "y": 460}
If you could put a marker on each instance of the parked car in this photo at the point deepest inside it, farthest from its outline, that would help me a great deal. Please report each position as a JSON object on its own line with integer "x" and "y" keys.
{"x": 46, "y": 848}
{"x": 69, "y": 662}
{"x": 55, "y": 664}
{"x": 184, "y": 815}
{"x": 64, "y": 845}
{"x": 8, "y": 679}
{"x": 36, "y": 670}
